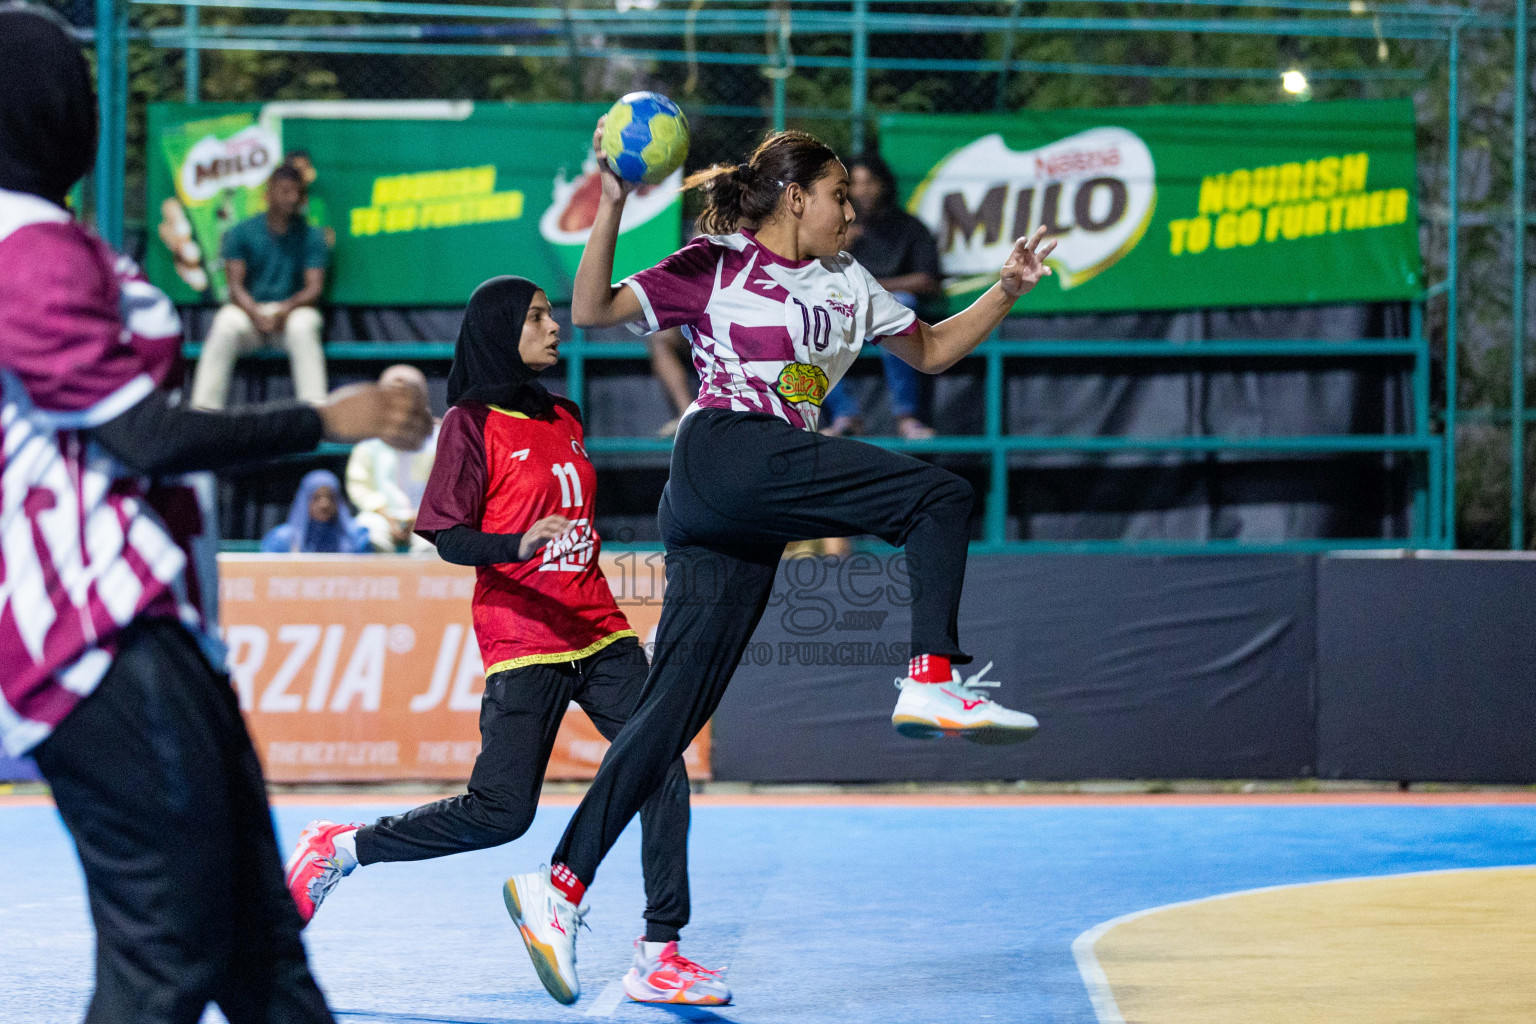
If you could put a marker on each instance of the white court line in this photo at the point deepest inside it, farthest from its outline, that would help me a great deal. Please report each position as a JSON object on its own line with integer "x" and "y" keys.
{"x": 1097, "y": 983}
{"x": 68, "y": 900}
{"x": 607, "y": 1001}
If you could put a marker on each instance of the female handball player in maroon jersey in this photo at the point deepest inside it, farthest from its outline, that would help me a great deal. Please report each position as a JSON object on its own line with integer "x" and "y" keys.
{"x": 110, "y": 671}
{"x": 512, "y": 493}
{"x": 775, "y": 312}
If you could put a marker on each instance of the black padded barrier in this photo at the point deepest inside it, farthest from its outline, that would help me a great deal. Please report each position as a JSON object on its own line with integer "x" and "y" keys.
{"x": 1137, "y": 667}
{"x": 1418, "y": 669}
{"x": 1427, "y": 668}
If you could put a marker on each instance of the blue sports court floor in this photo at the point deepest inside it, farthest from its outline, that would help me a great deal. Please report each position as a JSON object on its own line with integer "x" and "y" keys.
{"x": 862, "y": 911}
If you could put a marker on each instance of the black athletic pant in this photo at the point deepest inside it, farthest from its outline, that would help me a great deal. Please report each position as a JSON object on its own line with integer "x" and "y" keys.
{"x": 155, "y": 777}
{"x": 519, "y": 717}
{"x": 742, "y": 485}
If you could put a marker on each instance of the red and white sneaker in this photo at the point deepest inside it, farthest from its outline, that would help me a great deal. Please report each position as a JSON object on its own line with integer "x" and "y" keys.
{"x": 930, "y": 710}
{"x": 660, "y": 974}
{"x": 316, "y": 865}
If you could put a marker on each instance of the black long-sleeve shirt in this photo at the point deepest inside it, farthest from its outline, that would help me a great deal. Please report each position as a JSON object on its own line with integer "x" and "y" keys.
{"x": 156, "y": 438}
{"x": 465, "y": 545}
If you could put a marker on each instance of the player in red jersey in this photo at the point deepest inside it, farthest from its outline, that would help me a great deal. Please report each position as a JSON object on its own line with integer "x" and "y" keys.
{"x": 511, "y": 493}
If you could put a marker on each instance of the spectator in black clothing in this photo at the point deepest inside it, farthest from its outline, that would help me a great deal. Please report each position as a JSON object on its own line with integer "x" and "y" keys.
{"x": 897, "y": 248}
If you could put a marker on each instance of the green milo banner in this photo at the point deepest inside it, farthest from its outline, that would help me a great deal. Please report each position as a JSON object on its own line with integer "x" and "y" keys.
{"x": 420, "y": 201}
{"x": 1172, "y": 207}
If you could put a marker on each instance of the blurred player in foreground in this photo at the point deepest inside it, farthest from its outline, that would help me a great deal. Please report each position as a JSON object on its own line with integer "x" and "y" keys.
{"x": 109, "y": 676}
{"x": 512, "y": 493}
{"x": 776, "y": 313}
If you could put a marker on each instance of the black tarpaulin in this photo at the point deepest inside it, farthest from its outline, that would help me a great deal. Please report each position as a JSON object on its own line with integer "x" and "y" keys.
{"x": 1195, "y": 667}
{"x": 1427, "y": 668}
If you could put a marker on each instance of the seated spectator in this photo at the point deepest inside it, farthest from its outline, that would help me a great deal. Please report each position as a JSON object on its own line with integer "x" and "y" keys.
{"x": 667, "y": 351}
{"x": 386, "y": 484}
{"x": 275, "y": 265}
{"x": 898, "y": 250}
{"x": 318, "y": 521}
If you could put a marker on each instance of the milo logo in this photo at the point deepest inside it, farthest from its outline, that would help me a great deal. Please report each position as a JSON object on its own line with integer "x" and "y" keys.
{"x": 569, "y": 218}
{"x": 245, "y": 159}
{"x": 802, "y": 382}
{"x": 1093, "y": 191}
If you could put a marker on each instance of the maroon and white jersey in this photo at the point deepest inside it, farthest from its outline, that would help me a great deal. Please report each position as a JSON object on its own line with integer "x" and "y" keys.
{"x": 83, "y": 338}
{"x": 769, "y": 335}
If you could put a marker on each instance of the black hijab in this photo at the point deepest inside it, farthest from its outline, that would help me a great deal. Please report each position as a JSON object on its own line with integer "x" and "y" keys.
{"x": 47, "y": 105}
{"x": 486, "y": 364}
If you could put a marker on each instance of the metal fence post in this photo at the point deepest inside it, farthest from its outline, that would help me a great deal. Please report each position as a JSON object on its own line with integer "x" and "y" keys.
{"x": 191, "y": 59}
{"x": 576, "y": 368}
{"x": 782, "y": 66}
{"x": 860, "y": 96}
{"x": 578, "y": 90}
{"x": 120, "y": 139}
{"x": 1453, "y": 238}
{"x": 1517, "y": 304}
{"x": 1001, "y": 102}
{"x": 995, "y": 527}
{"x": 109, "y": 169}
{"x": 781, "y": 69}
{"x": 778, "y": 101}
{"x": 1425, "y": 497}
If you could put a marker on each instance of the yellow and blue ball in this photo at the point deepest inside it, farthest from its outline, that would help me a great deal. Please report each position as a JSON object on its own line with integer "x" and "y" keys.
{"x": 645, "y": 137}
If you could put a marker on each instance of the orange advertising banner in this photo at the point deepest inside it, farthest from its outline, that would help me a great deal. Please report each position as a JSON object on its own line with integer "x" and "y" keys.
{"x": 365, "y": 667}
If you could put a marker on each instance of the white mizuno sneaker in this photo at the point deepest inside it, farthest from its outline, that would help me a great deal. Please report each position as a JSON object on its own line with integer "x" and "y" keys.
{"x": 547, "y": 922}
{"x": 666, "y": 976}
{"x": 926, "y": 711}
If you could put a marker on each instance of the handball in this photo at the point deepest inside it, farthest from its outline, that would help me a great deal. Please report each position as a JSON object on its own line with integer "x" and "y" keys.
{"x": 645, "y": 137}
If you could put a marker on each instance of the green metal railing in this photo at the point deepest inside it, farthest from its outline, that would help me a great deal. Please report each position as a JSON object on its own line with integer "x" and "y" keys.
{"x": 781, "y": 20}
{"x": 995, "y": 445}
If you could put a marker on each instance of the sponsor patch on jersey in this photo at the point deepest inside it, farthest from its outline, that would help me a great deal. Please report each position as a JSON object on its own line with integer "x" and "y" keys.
{"x": 802, "y": 382}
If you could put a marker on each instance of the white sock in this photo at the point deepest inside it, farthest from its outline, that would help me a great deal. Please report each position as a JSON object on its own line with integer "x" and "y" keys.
{"x": 652, "y": 950}
{"x": 346, "y": 850}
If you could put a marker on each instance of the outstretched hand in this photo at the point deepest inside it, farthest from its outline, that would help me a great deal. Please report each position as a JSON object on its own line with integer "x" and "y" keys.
{"x": 614, "y": 187}
{"x": 394, "y": 412}
{"x": 1025, "y": 265}
{"x": 541, "y": 533}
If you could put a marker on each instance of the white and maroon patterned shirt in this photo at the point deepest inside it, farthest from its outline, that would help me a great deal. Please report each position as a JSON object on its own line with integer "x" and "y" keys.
{"x": 769, "y": 335}
{"x": 83, "y": 338}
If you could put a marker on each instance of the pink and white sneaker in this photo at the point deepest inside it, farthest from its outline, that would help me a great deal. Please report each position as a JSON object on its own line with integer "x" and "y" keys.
{"x": 660, "y": 974}
{"x": 317, "y": 864}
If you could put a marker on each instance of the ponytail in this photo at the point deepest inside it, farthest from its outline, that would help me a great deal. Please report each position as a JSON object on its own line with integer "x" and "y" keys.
{"x": 746, "y": 194}
{"x": 733, "y": 196}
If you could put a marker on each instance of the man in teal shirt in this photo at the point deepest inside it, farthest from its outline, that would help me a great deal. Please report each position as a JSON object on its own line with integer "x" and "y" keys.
{"x": 275, "y": 264}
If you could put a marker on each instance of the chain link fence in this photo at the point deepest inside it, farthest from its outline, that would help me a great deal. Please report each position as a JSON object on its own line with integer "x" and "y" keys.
{"x": 722, "y": 61}
{"x": 741, "y": 66}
